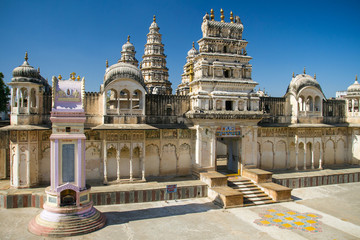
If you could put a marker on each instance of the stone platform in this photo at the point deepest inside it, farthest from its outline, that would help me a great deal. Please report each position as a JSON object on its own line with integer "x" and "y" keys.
{"x": 312, "y": 178}
{"x": 107, "y": 195}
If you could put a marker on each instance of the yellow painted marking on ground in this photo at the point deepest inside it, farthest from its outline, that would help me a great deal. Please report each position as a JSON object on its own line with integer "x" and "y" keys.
{"x": 289, "y": 218}
{"x": 311, "y": 221}
{"x": 277, "y": 220}
{"x": 272, "y": 210}
{"x": 291, "y": 213}
{"x": 312, "y": 215}
{"x": 299, "y": 223}
{"x": 265, "y": 222}
{"x": 310, "y": 228}
{"x": 280, "y": 214}
{"x": 268, "y": 216}
{"x": 287, "y": 225}
{"x": 300, "y": 217}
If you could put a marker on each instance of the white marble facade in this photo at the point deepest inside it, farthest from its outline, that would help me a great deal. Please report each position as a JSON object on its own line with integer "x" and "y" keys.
{"x": 226, "y": 118}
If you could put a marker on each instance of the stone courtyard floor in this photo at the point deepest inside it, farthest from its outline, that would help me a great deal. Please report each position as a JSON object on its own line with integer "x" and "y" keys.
{"x": 325, "y": 212}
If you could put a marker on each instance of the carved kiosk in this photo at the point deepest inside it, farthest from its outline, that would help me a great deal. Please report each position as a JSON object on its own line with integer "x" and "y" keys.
{"x": 68, "y": 209}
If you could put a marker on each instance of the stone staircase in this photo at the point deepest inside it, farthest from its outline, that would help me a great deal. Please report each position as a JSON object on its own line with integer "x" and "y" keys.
{"x": 252, "y": 194}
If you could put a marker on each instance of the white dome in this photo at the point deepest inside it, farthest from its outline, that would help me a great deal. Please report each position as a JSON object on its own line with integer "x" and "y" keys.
{"x": 300, "y": 81}
{"x": 123, "y": 70}
{"x": 354, "y": 89}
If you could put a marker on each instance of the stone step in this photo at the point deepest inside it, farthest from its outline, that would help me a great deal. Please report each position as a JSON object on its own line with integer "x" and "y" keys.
{"x": 252, "y": 194}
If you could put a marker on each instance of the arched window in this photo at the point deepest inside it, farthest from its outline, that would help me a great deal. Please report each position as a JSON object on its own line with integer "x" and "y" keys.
{"x": 111, "y": 99}
{"x": 33, "y": 98}
{"x": 23, "y": 97}
{"x": 309, "y": 104}
{"x": 124, "y": 99}
{"x": 137, "y": 99}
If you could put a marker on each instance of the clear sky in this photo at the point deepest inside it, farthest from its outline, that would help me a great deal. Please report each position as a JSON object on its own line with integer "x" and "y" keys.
{"x": 284, "y": 37}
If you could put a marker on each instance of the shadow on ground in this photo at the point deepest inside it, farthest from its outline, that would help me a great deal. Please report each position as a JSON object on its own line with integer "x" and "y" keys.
{"x": 115, "y": 218}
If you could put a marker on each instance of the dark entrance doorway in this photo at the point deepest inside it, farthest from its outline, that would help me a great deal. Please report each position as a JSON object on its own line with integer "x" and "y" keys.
{"x": 227, "y": 155}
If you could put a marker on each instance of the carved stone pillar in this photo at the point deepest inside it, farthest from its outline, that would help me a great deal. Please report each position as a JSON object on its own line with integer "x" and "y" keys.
{"x": 28, "y": 166}
{"x": 118, "y": 164}
{"x": 18, "y": 100}
{"x": 320, "y": 158}
{"x": 304, "y": 156}
{"x": 131, "y": 163}
{"x": 28, "y": 101}
{"x": 312, "y": 157}
{"x": 296, "y": 157}
{"x": 105, "y": 162}
{"x": 142, "y": 159}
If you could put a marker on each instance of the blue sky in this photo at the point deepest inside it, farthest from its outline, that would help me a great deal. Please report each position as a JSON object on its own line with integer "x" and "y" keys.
{"x": 284, "y": 37}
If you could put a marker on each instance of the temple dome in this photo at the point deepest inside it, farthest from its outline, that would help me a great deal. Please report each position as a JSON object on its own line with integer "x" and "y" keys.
{"x": 192, "y": 52}
{"x": 128, "y": 46}
{"x": 354, "y": 89}
{"x": 25, "y": 70}
{"x": 301, "y": 81}
{"x": 26, "y": 73}
{"x": 154, "y": 28}
{"x": 123, "y": 70}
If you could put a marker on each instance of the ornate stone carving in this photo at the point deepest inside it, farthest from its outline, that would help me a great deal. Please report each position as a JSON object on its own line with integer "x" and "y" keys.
{"x": 23, "y": 136}
{"x": 185, "y": 133}
{"x": 169, "y": 133}
{"x": 152, "y": 134}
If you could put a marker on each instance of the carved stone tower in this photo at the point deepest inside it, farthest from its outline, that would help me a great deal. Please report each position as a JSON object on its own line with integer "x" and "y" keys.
{"x": 153, "y": 65}
{"x": 221, "y": 70}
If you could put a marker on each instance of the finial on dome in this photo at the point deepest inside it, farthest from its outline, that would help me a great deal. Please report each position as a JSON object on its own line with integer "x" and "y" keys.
{"x": 231, "y": 17}
{"x": 128, "y": 38}
{"x": 193, "y": 45}
{"x": 293, "y": 74}
{"x": 304, "y": 70}
{"x": 26, "y": 56}
{"x": 39, "y": 70}
{"x": 356, "y": 78}
{"x": 72, "y": 76}
{"x": 222, "y": 15}
{"x": 60, "y": 77}
{"x": 212, "y": 16}
{"x": 78, "y": 78}
{"x": 107, "y": 63}
{"x": 314, "y": 75}
{"x": 154, "y": 19}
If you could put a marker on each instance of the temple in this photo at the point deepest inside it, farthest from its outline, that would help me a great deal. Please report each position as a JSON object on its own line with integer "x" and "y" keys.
{"x": 135, "y": 130}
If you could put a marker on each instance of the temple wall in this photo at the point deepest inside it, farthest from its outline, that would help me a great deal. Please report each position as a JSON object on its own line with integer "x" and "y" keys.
{"x": 277, "y": 147}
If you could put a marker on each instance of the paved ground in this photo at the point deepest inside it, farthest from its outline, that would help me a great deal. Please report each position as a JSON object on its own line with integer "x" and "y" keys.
{"x": 326, "y": 212}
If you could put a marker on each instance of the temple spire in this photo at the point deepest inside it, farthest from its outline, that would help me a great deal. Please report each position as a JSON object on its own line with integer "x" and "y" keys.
{"x": 193, "y": 45}
{"x": 128, "y": 38}
{"x": 293, "y": 74}
{"x": 26, "y": 56}
{"x": 154, "y": 19}
{"x": 107, "y": 63}
{"x": 356, "y": 78}
{"x": 314, "y": 75}
{"x": 304, "y": 70}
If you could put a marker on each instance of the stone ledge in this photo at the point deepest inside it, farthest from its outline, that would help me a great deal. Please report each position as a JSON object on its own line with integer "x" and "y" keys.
{"x": 257, "y": 175}
{"x": 226, "y": 197}
{"x": 213, "y": 179}
{"x": 277, "y": 192}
